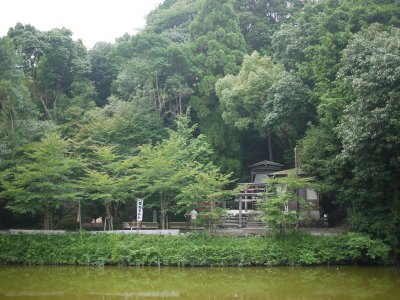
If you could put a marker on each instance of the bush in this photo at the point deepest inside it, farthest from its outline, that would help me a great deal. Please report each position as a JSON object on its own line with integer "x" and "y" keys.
{"x": 68, "y": 222}
{"x": 190, "y": 250}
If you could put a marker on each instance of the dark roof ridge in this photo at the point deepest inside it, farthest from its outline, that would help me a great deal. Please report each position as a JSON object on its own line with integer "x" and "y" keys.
{"x": 266, "y": 163}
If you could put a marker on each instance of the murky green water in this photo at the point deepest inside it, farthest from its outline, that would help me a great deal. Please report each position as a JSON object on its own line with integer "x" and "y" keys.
{"x": 199, "y": 283}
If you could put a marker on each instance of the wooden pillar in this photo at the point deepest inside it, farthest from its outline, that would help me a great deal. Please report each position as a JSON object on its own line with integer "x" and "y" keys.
{"x": 240, "y": 212}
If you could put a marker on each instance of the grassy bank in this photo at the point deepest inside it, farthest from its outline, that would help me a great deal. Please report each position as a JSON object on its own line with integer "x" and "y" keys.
{"x": 190, "y": 250}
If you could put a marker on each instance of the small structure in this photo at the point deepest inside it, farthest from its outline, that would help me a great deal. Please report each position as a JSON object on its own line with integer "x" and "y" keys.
{"x": 309, "y": 195}
{"x": 261, "y": 170}
{"x": 251, "y": 192}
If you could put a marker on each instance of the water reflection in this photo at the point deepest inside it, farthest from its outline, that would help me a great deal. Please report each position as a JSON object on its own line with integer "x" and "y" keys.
{"x": 199, "y": 283}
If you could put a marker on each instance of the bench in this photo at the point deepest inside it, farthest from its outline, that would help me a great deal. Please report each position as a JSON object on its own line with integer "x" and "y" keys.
{"x": 178, "y": 225}
{"x": 142, "y": 225}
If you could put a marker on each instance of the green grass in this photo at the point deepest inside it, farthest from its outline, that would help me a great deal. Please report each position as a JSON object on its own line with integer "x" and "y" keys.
{"x": 190, "y": 250}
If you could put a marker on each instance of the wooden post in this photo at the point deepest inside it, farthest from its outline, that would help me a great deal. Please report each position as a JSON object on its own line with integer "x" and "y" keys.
{"x": 240, "y": 212}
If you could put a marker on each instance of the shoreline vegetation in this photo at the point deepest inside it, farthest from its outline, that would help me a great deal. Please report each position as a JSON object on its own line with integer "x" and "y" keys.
{"x": 194, "y": 249}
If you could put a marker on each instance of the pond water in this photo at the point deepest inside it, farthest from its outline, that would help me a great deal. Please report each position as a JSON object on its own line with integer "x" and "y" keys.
{"x": 17, "y": 282}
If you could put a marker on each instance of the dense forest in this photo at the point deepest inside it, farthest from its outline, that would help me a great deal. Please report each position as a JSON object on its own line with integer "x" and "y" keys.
{"x": 177, "y": 112}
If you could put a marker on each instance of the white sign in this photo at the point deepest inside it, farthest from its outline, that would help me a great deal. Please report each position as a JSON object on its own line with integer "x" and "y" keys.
{"x": 139, "y": 207}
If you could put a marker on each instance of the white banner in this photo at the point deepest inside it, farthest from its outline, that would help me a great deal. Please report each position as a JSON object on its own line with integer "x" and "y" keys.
{"x": 139, "y": 207}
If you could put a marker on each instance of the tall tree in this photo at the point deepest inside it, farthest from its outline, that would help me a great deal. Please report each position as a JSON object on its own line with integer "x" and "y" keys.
{"x": 313, "y": 44}
{"x": 18, "y": 114}
{"x": 218, "y": 47}
{"x": 164, "y": 171}
{"x": 370, "y": 130}
{"x": 105, "y": 181}
{"x": 174, "y": 15}
{"x": 357, "y": 154}
{"x": 14, "y": 96}
{"x": 103, "y": 70}
{"x": 260, "y": 19}
{"x": 265, "y": 97}
{"x": 157, "y": 74}
{"x": 52, "y": 61}
{"x": 120, "y": 124}
{"x": 43, "y": 179}
{"x": 205, "y": 192}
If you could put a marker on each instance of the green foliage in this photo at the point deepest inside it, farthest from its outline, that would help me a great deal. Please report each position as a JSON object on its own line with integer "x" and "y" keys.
{"x": 105, "y": 180}
{"x": 206, "y": 190}
{"x": 259, "y": 20}
{"x": 265, "y": 97}
{"x": 329, "y": 70}
{"x": 275, "y": 212}
{"x": 119, "y": 124}
{"x": 155, "y": 77}
{"x": 370, "y": 130}
{"x": 243, "y": 95}
{"x": 52, "y": 62}
{"x": 217, "y": 47}
{"x": 318, "y": 155}
{"x": 43, "y": 178}
{"x": 103, "y": 70}
{"x": 275, "y": 205}
{"x": 17, "y": 112}
{"x": 178, "y": 167}
{"x": 353, "y": 82}
{"x": 173, "y": 16}
{"x": 313, "y": 45}
{"x": 190, "y": 250}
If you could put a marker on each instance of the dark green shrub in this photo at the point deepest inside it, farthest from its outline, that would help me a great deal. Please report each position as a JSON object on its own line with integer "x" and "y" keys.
{"x": 194, "y": 249}
{"x": 68, "y": 223}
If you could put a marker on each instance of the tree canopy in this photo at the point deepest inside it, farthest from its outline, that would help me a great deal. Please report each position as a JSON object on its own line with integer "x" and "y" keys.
{"x": 260, "y": 77}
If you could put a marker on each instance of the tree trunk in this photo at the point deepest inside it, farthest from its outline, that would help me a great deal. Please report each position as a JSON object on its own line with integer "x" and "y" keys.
{"x": 163, "y": 207}
{"x": 180, "y": 103}
{"x": 269, "y": 142}
{"x": 55, "y": 105}
{"x": 109, "y": 217}
{"x": 79, "y": 215}
{"x": 162, "y": 219}
{"x": 48, "y": 219}
{"x": 45, "y": 107}
{"x": 45, "y": 221}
